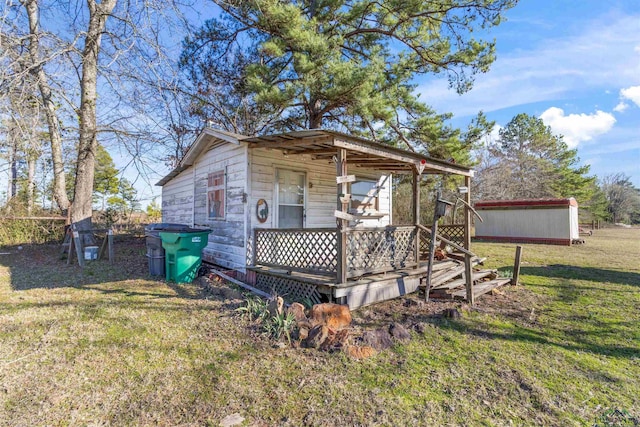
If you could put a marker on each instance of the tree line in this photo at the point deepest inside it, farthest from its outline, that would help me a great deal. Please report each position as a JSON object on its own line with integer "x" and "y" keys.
{"x": 84, "y": 76}
{"x": 528, "y": 160}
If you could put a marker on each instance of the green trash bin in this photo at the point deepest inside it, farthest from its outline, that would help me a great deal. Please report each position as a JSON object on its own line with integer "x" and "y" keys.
{"x": 183, "y": 253}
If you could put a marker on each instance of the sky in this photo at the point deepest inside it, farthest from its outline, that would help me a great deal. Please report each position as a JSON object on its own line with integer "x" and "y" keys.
{"x": 574, "y": 64}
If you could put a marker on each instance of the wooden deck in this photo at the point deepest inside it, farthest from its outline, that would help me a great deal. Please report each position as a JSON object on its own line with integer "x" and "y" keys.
{"x": 353, "y": 265}
{"x": 447, "y": 283}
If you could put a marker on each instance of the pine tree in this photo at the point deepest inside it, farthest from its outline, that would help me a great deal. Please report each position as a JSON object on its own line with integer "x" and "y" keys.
{"x": 529, "y": 161}
{"x": 266, "y": 65}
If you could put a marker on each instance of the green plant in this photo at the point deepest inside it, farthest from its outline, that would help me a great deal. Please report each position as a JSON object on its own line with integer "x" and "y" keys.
{"x": 30, "y": 231}
{"x": 306, "y": 302}
{"x": 256, "y": 309}
{"x": 279, "y": 325}
{"x": 275, "y": 327}
{"x": 505, "y": 272}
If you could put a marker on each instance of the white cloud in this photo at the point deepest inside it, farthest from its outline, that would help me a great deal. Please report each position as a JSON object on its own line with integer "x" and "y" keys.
{"x": 494, "y": 135}
{"x": 632, "y": 94}
{"x": 577, "y": 128}
{"x": 556, "y": 68}
{"x": 620, "y": 107}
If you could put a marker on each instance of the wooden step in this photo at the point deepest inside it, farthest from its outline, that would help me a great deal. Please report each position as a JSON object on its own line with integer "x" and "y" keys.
{"x": 445, "y": 276}
{"x": 477, "y": 275}
{"x": 444, "y": 265}
{"x": 482, "y": 288}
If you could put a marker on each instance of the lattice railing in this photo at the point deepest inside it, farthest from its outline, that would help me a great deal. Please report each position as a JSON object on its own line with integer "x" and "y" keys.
{"x": 289, "y": 289}
{"x": 379, "y": 250}
{"x": 311, "y": 250}
{"x": 453, "y": 232}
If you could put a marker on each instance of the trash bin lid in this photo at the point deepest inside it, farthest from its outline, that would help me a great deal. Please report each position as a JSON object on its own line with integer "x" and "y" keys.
{"x": 167, "y": 226}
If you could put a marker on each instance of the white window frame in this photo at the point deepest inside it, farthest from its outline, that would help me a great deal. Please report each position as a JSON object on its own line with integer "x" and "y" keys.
{"x": 375, "y": 186}
{"x": 277, "y": 196}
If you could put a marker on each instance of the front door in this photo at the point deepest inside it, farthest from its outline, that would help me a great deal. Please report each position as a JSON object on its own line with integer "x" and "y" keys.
{"x": 291, "y": 198}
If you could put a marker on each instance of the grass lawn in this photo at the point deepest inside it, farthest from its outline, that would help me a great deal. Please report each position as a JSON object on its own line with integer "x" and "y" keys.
{"x": 111, "y": 346}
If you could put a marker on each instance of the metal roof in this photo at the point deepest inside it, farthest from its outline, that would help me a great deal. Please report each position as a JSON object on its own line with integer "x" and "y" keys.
{"x": 525, "y": 203}
{"x": 323, "y": 144}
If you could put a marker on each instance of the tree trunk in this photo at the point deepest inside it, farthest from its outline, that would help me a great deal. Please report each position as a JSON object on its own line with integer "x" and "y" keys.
{"x": 31, "y": 183}
{"x": 315, "y": 116}
{"x": 59, "y": 180}
{"x": 13, "y": 174}
{"x": 82, "y": 209}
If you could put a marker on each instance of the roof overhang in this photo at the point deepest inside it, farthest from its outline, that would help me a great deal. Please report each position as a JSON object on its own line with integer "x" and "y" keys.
{"x": 323, "y": 144}
{"x": 206, "y": 140}
{"x": 525, "y": 204}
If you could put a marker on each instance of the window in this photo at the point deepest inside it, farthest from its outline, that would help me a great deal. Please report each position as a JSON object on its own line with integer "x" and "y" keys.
{"x": 364, "y": 195}
{"x": 215, "y": 195}
{"x": 291, "y": 197}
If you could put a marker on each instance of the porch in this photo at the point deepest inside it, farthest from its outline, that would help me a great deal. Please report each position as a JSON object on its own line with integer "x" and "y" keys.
{"x": 353, "y": 263}
{"x": 378, "y": 263}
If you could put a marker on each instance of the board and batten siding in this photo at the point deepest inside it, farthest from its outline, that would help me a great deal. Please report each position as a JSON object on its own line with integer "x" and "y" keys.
{"x": 321, "y": 189}
{"x": 177, "y": 199}
{"x": 226, "y": 246}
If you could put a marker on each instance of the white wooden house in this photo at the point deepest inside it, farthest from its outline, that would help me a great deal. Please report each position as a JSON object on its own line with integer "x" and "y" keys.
{"x": 548, "y": 221}
{"x": 306, "y": 212}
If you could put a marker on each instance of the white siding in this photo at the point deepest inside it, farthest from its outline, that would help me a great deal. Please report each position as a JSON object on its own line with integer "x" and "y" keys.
{"x": 177, "y": 199}
{"x": 226, "y": 245}
{"x": 384, "y": 200}
{"x": 573, "y": 221}
{"x": 525, "y": 223}
{"x": 321, "y": 191}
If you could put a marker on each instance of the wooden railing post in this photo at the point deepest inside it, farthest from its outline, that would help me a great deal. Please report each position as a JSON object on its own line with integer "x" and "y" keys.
{"x": 516, "y": 266}
{"x": 416, "y": 214}
{"x": 468, "y": 271}
{"x": 79, "y": 246}
{"x": 432, "y": 246}
{"x": 341, "y": 170}
{"x": 254, "y": 247}
{"x": 110, "y": 246}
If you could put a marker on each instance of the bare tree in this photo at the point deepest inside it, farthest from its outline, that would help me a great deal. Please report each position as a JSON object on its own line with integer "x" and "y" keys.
{"x": 22, "y": 116}
{"x": 623, "y": 197}
{"x": 37, "y": 70}
{"x": 82, "y": 209}
{"x": 119, "y": 81}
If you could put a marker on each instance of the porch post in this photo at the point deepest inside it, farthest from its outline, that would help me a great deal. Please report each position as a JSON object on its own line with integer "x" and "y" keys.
{"x": 341, "y": 170}
{"x": 416, "y": 213}
{"x": 468, "y": 271}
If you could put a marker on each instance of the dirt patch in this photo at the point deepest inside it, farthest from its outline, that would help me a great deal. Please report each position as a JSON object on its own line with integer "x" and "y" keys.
{"x": 514, "y": 302}
{"x": 382, "y": 325}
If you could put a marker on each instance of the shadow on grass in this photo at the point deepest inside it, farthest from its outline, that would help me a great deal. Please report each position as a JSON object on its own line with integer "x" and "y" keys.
{"x": 573, "y": 340}
{"x": 41, "y": 267}
{"x": 583, "y": 273}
